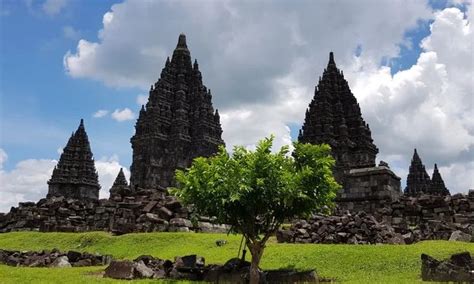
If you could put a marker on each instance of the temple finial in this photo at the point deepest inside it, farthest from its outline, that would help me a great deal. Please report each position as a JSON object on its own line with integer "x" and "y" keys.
{"x": 196, "y": 65}
{"x": 331, "y": 59}
{"x": 182, "y": 41}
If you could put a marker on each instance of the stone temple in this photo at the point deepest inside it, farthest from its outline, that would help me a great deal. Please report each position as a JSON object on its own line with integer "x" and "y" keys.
{"x": 177, "y": 124}
{"x": 75, "y": 175}
{"x": 419, "y": 182}
{"x": 334, "y": 117}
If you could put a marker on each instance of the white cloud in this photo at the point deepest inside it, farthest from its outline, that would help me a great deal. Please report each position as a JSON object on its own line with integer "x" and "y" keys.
{"x": 28, "y": 180}
{"x": 262, "y": 68}
{"x": 123, "y": 115}
{"x": 142, "y": 99}
{"x": 3, "y": 158}
{"x": 429, "y": 106}
{"x": 53, "y": 7}
{"x": 71, "y": 33}
{"x": 108, "y": 169}
{"x": 100, "y": 113}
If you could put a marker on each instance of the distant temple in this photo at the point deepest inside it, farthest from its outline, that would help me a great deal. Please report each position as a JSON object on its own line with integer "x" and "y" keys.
{"x": 419, "y": 182}
{"x": 120, "y": 186}
{"x": 334, "y": 118}
{"x": 75, "y": 175}
{"x": 177, "y": 125}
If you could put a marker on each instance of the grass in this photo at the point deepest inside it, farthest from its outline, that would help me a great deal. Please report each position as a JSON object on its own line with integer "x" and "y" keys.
{"x": 345, "y": 263}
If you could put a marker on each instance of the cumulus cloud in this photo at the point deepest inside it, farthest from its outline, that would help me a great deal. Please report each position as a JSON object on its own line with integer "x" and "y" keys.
{"x": 142, "y": 99}
{"x": 108, "y": 169}
{"x": 100, "y": 113}
{"x": 123, "y": 115}
{"x": 262, "y": 68}
{"x": 28, "y": 180}
{"x": 53, "y": 7}
{"x": 430, "y": 105}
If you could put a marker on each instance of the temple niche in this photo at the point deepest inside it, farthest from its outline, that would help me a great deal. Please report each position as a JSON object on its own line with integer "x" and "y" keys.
{"x": 177, "y": 124}
{"x": 75, "y": 175}
{"x": 334, "y": 117}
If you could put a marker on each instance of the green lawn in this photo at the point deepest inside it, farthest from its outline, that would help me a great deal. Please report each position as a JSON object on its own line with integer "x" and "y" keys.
{"x": 345, "y": 263}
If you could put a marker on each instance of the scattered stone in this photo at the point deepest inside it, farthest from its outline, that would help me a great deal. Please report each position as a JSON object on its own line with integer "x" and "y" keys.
{"x": 53, "y": 258}
{"x": 61, "y": 262}
{"x": 460, "y": 236}
{"x": 124, "y": 269}
{"x": 459, "y": 268}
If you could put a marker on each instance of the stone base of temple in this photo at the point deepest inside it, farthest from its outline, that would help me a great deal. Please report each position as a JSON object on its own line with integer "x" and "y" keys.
{"x": 368, "y": 189}
{"x": 77, "y": 191}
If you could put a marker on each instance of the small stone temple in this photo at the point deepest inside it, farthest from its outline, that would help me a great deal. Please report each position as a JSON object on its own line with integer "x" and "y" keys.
{"x": 419, "y": 182}
{"x": 75, "y": 175}
{"x": 334, "y": 117}
{"x": 177, "y": 124}
{"x": 120, "y": 186}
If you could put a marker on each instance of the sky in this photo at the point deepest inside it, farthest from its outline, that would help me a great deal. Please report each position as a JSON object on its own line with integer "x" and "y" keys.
{"x": 409, "y": 64}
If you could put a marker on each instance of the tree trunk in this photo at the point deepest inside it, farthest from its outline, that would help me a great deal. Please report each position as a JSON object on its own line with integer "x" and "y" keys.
{"x": 256, "y": 249}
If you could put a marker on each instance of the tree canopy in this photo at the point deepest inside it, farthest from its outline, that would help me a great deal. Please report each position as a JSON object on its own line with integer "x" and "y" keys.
{"x": 256, "y": 191}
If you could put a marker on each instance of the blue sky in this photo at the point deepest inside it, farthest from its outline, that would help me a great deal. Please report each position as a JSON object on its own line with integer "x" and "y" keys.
{"x": 40, "y": 103}
{"x": 257, "y": 66}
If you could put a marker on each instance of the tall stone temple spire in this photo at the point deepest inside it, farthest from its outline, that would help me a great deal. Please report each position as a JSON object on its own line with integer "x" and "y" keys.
{"x": 437, "y": 184}
{"x": 177, "y": 124}
{"x": 334, "y": 118}
{"x": 418, "y": 180}
{"x": 75, "y": 175}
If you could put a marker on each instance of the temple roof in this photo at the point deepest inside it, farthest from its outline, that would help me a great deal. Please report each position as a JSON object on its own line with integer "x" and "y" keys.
{"x": 76, "y": 164}
{"x": 334, "y": 117}
{"x": 418, "y": 180}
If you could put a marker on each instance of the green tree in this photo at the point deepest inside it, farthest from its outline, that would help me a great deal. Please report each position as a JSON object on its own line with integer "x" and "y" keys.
{"x": 256, "y": 191}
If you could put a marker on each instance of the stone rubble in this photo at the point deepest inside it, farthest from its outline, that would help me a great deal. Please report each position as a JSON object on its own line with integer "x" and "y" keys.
{"x": 459, "y": 268}
{"x": 53, "y": 258}
{"x": 192, "y": 267}
{"x": 148, "y": 211}
{"x": 407, "y": 221}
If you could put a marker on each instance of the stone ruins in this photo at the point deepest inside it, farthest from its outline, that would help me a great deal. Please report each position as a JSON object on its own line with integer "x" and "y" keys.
{"x": 179, "y": 123}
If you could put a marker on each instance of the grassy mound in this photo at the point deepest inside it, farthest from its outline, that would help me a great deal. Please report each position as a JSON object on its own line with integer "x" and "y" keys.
{"x": 345, "y": 263}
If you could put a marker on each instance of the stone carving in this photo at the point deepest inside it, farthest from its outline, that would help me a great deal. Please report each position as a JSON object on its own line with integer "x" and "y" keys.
{"x": 177, "y": 124}
{"x": 75, "y": 175}
{"x": 334, "y": 117}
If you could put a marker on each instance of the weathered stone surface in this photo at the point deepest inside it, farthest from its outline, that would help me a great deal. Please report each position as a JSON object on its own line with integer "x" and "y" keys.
{"x": 144, "y": 271}
{"x": 460, "y": 236}
{"x": 53, "y": 258}
{"x": 124, "y": 269}
{"x": 334, "y": 118}
{"x": 75, "y": 175}
{"x": 61, "y": 262}
{"x": 177, "y": 124}
{"x": 457, "y": 269}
